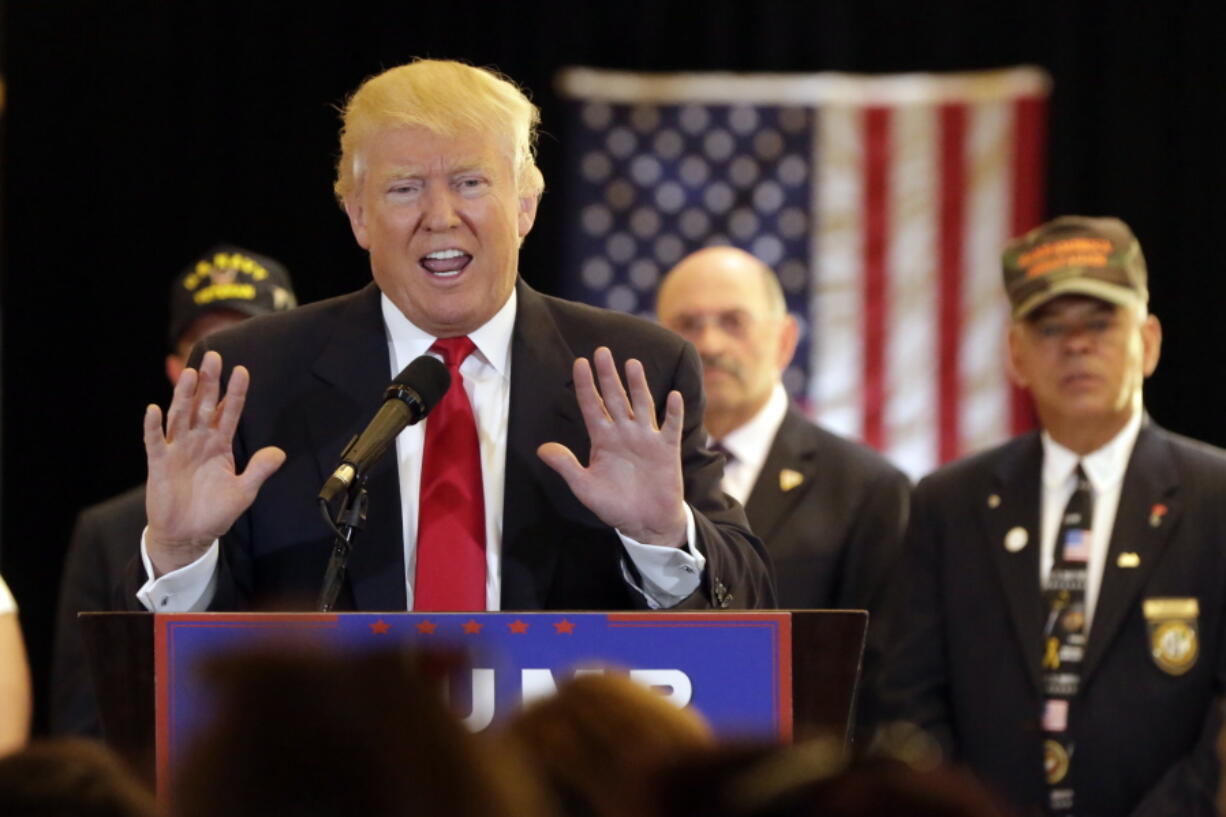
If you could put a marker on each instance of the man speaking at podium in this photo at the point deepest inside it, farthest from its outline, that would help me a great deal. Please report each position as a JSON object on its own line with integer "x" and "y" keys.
{"x": 538, "y": 482}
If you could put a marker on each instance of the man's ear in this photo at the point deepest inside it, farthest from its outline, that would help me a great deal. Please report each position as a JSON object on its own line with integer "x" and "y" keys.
{"x": 788, "y": 339}
{"x": 1151, "y": 343}
{"x": 1013, "y": 361}
{"x": 527, "y": 214}
{"x": 357, "y": 219}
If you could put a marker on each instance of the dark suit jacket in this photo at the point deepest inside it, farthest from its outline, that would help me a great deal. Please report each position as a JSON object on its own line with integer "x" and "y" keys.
{"x": 835, "y": 536}
{"x": 105, "y": 540}
{"x": 966, "y": 660}
{"x": 317, "y": 375}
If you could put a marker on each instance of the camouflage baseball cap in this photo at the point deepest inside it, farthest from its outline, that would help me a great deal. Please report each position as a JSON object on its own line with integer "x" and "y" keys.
{"x": 1078, "y": 255}
{"x": 228, "y": 278}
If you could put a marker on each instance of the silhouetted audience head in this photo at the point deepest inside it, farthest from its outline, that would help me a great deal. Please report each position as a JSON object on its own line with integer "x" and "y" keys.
{"x": 599, "y": 741}
{"x": 364, "y": 735}
{"x": 813, "y": 780}
{"x": 70, "y": 777}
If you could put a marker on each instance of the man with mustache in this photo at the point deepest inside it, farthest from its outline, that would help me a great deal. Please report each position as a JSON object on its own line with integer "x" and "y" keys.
{"x": 830, "y": 511}
{"x": 1060, "y": 618}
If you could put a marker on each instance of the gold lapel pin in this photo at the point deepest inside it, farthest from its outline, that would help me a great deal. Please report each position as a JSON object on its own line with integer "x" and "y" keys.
{"x": 993, "y": 500}
{"x": 1128, "y": 559}
{"x": 789, "y": 479}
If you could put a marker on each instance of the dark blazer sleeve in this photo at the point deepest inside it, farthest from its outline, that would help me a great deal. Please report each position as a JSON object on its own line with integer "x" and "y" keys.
{"x": 1190, "y": 787}
{"x": 105, "y": 540}
{"x": 736, "y": 574}
{"x": 873, "y": 546}
{"x": 914, "y": 686}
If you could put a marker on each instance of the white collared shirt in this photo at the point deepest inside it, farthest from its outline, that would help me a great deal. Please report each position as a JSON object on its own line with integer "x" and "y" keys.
{"x": 668, "y": 574}
{"x": 749, "y": 444}
{"x": 1104, "y": 468}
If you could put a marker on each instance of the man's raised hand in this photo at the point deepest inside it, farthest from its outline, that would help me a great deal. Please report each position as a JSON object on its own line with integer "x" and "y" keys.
{"x": 633, "y": 481}
{"x": 194, "y": 494}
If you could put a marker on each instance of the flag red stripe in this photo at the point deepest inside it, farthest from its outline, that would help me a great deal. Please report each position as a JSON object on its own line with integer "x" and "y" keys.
{"x": 1029, "y": 168}
{"x": 876, "y": 237}
{"x": 952, "y": 229}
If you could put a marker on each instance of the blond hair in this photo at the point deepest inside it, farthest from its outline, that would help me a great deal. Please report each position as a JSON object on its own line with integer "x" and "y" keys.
{"x": 447, "y": 98}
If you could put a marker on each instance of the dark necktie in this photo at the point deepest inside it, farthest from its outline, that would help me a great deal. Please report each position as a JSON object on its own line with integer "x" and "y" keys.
{"x": 451, "y": 570}
{"x": 1064, "y": 640}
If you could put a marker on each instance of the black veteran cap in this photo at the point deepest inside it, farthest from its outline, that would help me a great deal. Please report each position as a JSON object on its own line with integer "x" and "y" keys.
{"x": 228, "y": 278}
{"x": 1078, "y": 255}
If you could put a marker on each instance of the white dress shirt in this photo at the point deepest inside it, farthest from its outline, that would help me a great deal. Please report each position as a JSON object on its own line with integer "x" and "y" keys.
{"x": 669, "y": 574}
{"x": 1104, "y": 468}
{"x": 749, "y": 444}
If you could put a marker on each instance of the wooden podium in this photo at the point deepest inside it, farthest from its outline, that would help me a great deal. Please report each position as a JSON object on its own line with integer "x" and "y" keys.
{"x": 759, "y": 674}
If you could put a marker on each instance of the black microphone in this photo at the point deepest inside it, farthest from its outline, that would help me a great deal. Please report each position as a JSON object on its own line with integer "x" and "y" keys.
{"x": 410, "y": 397}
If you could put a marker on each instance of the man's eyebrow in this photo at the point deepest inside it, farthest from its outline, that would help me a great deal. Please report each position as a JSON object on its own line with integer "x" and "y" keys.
{"x": 401, "y": 172}
{"x": 470, "y": 166}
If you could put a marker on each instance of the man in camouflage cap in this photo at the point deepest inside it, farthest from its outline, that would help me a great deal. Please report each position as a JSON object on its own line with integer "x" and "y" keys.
{"x": 221, "y": 287}
{"x": 1062, "y": 603}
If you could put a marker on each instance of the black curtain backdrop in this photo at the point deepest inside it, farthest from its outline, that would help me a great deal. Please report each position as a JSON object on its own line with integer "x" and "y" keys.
{"x": 138, "y": 133}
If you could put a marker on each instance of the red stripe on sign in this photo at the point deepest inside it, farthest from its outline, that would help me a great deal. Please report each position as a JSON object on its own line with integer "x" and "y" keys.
{"x": 952, "y": 228}
{"x": 876, "y": 236}
{"x": 1029, "y": 171}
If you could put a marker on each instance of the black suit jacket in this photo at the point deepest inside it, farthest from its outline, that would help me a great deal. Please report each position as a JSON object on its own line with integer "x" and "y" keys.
{"x": 104, "y": 542}
{"x": 965, "y": 662}
{"x": 834, "y": 536}
{"x": 317, "y": 375}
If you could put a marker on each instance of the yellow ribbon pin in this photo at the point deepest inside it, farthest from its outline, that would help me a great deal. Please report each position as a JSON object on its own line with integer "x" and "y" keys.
{"x": 1052, "y": 659}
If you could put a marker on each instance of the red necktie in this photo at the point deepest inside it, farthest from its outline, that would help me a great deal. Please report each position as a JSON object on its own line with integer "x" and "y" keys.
{"x": 451, "y": 513}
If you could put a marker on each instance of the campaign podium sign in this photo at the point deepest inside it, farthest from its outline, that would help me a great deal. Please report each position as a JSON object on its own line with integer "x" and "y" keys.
{"x": 751, "y": 674}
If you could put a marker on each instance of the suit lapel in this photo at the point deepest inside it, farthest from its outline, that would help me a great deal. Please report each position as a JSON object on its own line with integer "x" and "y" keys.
{"x": 1151, "y": 481}
{"x": 542, "y": 408}
{"x": 791, "y": 450}
{"x": 355, "y": 367}
{"x": 1011, "y": 516}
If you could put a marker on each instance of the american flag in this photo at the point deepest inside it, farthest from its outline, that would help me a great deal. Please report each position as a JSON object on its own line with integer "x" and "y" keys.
{"x": 881, "y": 202}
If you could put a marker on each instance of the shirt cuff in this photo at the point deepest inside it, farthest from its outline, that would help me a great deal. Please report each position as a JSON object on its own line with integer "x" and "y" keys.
{"x": 188, "y": 589}
{"x": 669, "y": 575}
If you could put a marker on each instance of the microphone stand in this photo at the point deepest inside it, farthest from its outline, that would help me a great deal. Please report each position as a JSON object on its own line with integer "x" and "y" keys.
{"x": 351, "y": 517}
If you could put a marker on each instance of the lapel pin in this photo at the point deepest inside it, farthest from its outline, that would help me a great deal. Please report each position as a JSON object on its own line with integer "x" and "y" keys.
{"x": 993, "y": 500}
{"x": 789, "y": 479}
{"x": 1128, "y": 559}
{"x": 1156, "y": 513}
{"x": 1016, "y": 539}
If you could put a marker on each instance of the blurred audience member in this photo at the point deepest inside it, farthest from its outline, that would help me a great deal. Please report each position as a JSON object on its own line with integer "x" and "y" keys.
{"x": 70, "y": 777}
{"x": 812, "y": 780}
{"x": 364, "y": 735}
{"x": 599, "y": 741}
{"x": 14, "y": 677}
{"x": 224, "y": 286}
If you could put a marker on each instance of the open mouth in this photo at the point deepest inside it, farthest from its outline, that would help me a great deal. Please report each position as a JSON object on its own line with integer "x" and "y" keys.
{"x": 445, "y": 263}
